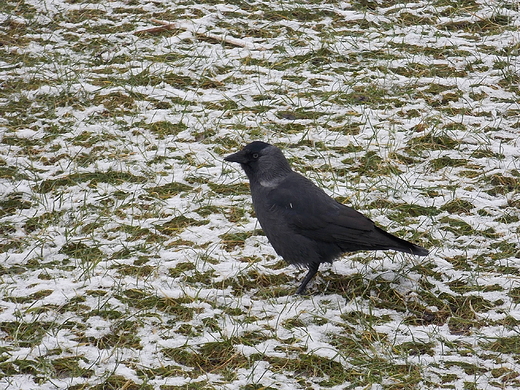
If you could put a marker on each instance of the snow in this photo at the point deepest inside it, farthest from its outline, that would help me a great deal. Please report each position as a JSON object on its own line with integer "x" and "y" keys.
{"x": 74, "y": 258}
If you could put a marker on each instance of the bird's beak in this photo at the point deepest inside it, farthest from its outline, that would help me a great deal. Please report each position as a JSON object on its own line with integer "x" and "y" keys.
{"x": 239, "y": 157}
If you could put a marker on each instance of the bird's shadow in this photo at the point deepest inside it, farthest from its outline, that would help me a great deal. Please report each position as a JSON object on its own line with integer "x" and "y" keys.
{"x": 362, "y": 285}
{"x": 328, "y": 282}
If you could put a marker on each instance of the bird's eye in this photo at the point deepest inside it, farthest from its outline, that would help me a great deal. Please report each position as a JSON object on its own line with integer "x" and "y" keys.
{"x": 255, "y": 155}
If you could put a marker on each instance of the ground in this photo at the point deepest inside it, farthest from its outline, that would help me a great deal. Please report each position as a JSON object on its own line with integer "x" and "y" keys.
{"x": 130, "y": 256}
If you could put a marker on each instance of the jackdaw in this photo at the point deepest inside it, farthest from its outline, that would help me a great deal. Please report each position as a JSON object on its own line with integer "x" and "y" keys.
{"x": 303, "y": 224}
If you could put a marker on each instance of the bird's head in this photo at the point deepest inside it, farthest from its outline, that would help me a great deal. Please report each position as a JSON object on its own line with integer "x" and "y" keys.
{"x": 261, "y": 161}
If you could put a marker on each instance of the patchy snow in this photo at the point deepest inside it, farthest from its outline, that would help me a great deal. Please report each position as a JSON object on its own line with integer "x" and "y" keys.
{"x": 129, "y": 252}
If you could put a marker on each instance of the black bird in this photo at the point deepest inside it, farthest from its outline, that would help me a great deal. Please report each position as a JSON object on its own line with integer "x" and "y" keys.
{"x": 303, "y": 224}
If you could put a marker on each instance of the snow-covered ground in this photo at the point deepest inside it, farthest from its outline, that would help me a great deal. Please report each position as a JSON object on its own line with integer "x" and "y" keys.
{"x": 130, "y": 257}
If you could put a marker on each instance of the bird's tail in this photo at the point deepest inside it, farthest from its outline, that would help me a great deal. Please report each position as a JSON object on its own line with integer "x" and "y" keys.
{"x": 398, "y": 244}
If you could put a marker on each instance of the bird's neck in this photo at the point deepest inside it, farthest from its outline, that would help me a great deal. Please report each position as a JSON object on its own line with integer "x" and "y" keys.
{"x": 271, "y": 182}
{"x": 272, "y": 178}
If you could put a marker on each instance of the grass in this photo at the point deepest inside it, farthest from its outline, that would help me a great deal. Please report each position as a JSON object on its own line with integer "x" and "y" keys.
{"x": 130, "y": 254}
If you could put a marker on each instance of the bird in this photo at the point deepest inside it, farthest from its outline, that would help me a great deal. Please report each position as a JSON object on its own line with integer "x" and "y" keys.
{"x": 305, "y": 226}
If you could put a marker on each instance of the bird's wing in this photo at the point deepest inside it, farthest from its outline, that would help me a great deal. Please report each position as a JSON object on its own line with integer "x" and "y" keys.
{"x": 312, "y": 213}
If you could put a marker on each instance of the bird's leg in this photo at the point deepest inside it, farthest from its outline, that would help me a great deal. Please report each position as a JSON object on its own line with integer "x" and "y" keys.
{"x": 313, "y": 269}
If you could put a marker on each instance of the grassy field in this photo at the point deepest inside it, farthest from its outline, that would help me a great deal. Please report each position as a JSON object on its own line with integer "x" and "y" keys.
{"x": 130, "y": 257}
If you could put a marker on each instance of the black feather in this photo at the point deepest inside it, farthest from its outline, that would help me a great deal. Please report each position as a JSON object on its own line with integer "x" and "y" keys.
{"x": 303, "y": 224}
